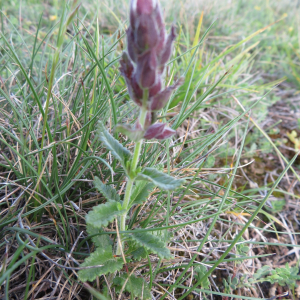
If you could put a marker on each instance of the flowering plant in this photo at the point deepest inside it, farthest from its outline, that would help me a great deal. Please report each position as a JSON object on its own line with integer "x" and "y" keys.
{"x": 148, "y": 50}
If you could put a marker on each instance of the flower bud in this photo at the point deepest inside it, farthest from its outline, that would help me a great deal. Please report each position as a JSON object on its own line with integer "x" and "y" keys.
{"x": 132, "y": 51}
{"x": 159, "y": 131}
{"x": 166, "y": 53}
{"x": 126, "y": 69}
{"x": 156, "y": 88}
{"x": 146, "y": 70}
{"x": 160, "y": 100}
{"x": 150, "y": 119}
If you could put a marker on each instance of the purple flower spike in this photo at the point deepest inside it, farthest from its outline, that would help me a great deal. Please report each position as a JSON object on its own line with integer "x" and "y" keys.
{"x": 146, "y": 25}
{"x": 149, "y": 48}
{"x": 159, "y": 131}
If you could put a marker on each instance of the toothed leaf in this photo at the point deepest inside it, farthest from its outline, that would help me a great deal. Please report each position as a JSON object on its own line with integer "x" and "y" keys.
{"x": 134, "y": 285}
{"x": 107, "y": 191}
{"x": 139, "y": 253}
{"x": 141, "y": 192}
{"x": 162, "y": 180}
{"x": 103, "y": 214}
{"x": 100, "y": 240}
{"x": 117, "y": 149}
{"x": 164, "y": 235}
{"x": 152, "y": 243}
{"x": 103, "y": 257}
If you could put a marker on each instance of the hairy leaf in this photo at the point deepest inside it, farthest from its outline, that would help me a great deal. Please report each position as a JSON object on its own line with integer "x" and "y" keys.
{"x": 152, "y": 243}
{"x": 135, "y": 134}
{"x": 140, "y": 192}
{"x": 100, "y": 240}
{"x": 104, "y": 257}
{"x": 139, "y": 253}
{"x": 162, "y": 180}
{"x": 164, "y": 235}
{"x": 103, "y": 214}
{"x": 107, "y": 191}
{"x": 135, "y": 251}
{"x": 117, "y": 149}
{"x": 134, "y": 285}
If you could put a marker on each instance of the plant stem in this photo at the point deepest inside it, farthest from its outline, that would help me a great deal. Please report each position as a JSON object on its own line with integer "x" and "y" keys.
{"x": 133, "y": 166}
{"x": 138, "y": 145}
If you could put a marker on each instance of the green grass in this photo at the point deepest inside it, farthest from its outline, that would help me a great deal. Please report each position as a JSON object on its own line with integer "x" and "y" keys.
{"x": 50, "y": 156}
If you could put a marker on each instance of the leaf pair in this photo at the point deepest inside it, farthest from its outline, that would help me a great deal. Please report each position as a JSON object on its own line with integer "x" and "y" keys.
{"x": 119, "y": 152}
{"x": 158, "y": 131}
{"x": 103, "y": 256}
{"x": 152, "y": 243}
{"x": 160, "y": 179}
{"x": 103, "y": 214}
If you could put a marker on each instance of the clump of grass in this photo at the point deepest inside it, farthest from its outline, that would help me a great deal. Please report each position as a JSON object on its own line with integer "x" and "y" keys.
{"x": 220, "y": 225}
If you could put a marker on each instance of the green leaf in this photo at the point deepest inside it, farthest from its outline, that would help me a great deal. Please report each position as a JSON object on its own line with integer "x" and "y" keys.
{"x": 117, "y": 149}
{"x": 140, "y": 192}
{"x": 265, "y": 270}
{"x": 133, "y": 133}
{"x": 103, "y": 214}
{"x": 100, "y": 240}
{"x": 201, "y": 271}
{"x": 107, "y": 191}
{"x": 284, "y": 276}
{"x": 134, "y": 285}
{"x": 152, "y": 243}
{"x": 164, "y": 235}
{"x": 139, "y": 253}
{"x": 136, "y": 251}
{"x": 160, "y": 179}
{"x": 104, "y": 257}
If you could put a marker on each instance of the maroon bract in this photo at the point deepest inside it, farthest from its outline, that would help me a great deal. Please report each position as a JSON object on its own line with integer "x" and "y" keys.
{"x": 160, "y": 100}
{"x": 159, "y": 131}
